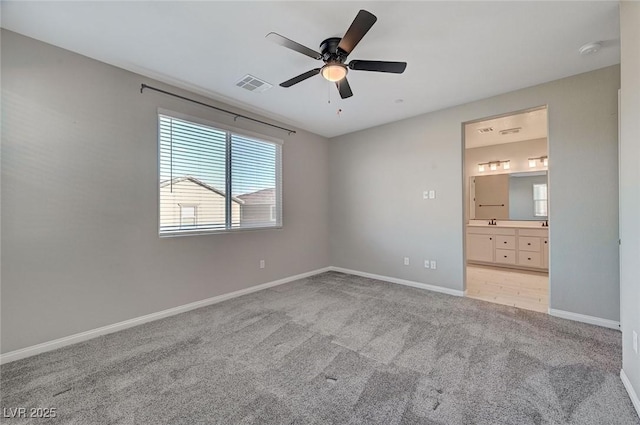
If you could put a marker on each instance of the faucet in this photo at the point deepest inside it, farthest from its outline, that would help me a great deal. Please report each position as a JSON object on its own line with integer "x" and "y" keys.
{"x": 492, "y": 222}
{"x": 546, "y": 223}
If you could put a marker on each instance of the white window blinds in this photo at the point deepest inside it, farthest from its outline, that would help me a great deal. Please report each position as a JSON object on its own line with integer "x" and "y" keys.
{"x": 201, "y": 164}
{"x": 540, "y": 200}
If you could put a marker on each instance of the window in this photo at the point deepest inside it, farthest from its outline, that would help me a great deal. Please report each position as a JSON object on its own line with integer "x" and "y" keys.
{"x": 201, "y": 163}
{"x": 187, "y": 216}
{"x": 540, "y": 200}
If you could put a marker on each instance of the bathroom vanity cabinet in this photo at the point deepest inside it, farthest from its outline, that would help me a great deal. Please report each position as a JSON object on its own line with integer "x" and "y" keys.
{"x": 514, "y": 247}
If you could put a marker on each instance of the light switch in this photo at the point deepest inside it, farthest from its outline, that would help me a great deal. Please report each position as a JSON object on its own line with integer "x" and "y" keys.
{"x": 425, "y": 194}
{"x": 432, "y": 194}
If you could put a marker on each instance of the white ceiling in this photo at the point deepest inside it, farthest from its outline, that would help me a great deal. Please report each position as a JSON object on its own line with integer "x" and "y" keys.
{"x": 530, "y": 124}
{"x": 457, "y": 52}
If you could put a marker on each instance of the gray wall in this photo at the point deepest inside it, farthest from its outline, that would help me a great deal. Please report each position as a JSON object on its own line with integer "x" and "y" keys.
{"x": 80, "y": 238}
{"x": 377, "y": 177}
{"x": 630, "y": 187}
{"x": 79, "y": 187}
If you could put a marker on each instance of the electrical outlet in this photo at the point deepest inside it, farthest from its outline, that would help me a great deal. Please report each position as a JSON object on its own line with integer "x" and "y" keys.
{"x": 635, "y": 341}
{"x": 427, "y": 264}
{"x": 406, "y": 261}
{"x": 262, "y": 264}
{"x": 433, "y": 264}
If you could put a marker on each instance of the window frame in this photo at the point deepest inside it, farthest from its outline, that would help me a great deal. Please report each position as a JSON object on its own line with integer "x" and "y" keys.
{"x": 543, "y": 201}
{"x": 230, "y": 130}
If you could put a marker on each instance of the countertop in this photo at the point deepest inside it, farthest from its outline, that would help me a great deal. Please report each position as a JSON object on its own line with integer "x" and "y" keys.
{"x": 506, "y": 223}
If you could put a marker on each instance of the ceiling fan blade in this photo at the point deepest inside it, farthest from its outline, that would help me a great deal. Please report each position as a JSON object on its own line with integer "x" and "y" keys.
{"x": 359, "y": 27}
{"x": 344, "y": 88}
{"x": 284, "y": 41}
{"x": 378, "y": 66}
{"x": 300, "y": 78}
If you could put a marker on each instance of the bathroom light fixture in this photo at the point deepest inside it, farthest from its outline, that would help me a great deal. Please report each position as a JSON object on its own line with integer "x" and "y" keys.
{"x": 334, "y": 71}
{"x": 493, "y": 165}
{"x": 534, "y": 161}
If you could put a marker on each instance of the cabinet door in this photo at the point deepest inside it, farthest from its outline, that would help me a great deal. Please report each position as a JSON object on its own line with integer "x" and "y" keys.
{"x": 480, "y": 247}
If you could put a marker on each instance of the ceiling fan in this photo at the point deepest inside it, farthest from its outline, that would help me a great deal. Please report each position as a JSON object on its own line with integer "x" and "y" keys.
{"x": 334, "y": 52}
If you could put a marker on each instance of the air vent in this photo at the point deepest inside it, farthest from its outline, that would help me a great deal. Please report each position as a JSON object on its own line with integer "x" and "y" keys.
{"x": 251, "y": 83}
{"x": 511, "y": 130}
{"x": 485, "y": 130}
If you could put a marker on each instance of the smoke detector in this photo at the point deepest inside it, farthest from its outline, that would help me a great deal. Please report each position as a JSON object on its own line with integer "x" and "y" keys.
{"x": 590, "y": 48}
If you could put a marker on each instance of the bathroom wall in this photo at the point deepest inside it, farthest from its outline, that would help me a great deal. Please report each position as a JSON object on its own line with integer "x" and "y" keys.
{"x": 518, "y": 154}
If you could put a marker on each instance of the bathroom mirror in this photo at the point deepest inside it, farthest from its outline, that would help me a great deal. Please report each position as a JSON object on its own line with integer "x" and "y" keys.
{"x": 514, "y": 196}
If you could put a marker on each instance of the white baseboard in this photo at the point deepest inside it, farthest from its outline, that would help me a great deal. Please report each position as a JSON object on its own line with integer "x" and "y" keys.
{"x": 419, "y": 285}
{"x": 84, "y": 336}
{"x": 605, "y": 323}
{"x": 632, "y": 393}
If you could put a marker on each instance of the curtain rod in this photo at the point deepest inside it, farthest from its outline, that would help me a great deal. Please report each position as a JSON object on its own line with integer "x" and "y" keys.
{"x": 236, "y": 116}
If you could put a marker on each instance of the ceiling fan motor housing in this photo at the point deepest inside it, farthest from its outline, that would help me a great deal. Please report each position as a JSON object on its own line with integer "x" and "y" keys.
{"x": 330, "y": 51}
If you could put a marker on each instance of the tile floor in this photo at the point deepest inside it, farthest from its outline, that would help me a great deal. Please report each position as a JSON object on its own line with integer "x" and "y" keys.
{"x": 527, "y": 290}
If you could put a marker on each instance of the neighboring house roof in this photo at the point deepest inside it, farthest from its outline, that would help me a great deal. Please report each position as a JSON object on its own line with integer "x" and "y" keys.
{"x": 200, "y": 183}
{"x": 264, "y": 196}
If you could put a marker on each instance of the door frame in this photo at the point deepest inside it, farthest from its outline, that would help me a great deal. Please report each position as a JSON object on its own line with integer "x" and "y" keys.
{"x": 465, "y": 195}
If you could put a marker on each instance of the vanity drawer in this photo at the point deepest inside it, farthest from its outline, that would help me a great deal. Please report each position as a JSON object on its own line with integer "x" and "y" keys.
{"x": 505, "y": 256}
{"x": 529, "y": 259}
{"x": 505, "y": 242}
{"x": 528, "y": 243}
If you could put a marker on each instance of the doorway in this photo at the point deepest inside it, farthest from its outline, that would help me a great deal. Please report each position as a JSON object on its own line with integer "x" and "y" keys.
{"x": 506, "y": 209}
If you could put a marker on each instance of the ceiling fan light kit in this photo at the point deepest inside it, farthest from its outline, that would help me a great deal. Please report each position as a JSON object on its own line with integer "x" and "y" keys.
{"x": 334, "y": 72}
{"x": 334, "y": 52}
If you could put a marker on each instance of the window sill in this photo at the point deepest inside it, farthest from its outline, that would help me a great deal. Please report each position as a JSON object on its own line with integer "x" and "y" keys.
{"x": 199, "y": 232}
